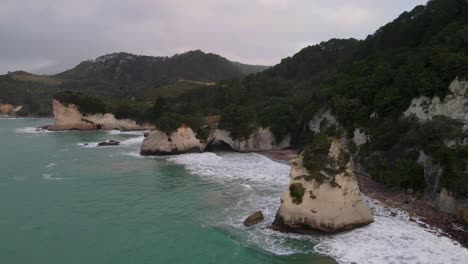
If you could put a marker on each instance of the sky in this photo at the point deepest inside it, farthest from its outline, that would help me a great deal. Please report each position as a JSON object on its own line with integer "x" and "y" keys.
{"x": 50, "y": 36}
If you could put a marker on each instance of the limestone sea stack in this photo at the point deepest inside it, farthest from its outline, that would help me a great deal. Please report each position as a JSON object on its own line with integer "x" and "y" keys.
{"x": 181, "y": 141}
{"x": 68, "y": 117}
{"x": 330, "y": 203}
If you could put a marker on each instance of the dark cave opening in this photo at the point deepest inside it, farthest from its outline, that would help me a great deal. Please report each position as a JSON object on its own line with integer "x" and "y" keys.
{"x": 218, "y": 146}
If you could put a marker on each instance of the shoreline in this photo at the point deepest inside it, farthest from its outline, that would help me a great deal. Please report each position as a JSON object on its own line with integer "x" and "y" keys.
{"x": 422, "y": 209}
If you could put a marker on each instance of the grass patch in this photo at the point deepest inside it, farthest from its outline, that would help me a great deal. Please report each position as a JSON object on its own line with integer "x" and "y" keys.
{"x": 296, "y": 191}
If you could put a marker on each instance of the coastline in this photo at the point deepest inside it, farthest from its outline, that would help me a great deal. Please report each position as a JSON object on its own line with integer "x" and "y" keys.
{"x": 422, "y": 209}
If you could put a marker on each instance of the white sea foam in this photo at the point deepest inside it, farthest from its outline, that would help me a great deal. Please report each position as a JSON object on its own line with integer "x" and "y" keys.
{"x": 118, "y": 132}
{"x": 129, "y": 142}
{"x": 132, "y": 141}
{"x": 50, "y": 177}
{"x": 50, "y": 165}
{"x": 256, "y": 183}
{"x": 33, "y": 130}
{"x": 88, "y": 144}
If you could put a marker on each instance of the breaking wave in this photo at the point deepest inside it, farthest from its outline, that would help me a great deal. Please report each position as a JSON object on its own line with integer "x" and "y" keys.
{"x": 256, "y": 182}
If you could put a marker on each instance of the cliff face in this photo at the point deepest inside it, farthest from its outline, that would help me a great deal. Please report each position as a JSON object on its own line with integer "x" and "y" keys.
{"x": 453, "y": 106}
{"x": 70, "y": 118}
{"x": 262, "y": 139}
{"x": 181, "y": 141}
{"x": 330, "y": 206}
{"x": 184, "y": 140}
{"x": 9, "y": 109}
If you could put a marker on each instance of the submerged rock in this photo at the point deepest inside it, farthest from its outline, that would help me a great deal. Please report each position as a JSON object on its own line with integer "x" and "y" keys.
{"x": 108, "y": 143}
{"x": 331, "y": 205}
{"x": 254, "y": 219}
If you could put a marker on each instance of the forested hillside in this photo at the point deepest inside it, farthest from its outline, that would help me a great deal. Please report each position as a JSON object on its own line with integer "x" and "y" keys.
{"x": 122, "y": 75}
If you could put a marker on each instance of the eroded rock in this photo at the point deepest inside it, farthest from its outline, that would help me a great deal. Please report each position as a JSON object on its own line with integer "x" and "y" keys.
{"x": 70, "y": 118}
{"x": 254, "y": 219}
{"x": 330, "y": 205}
{"x": 184, "y": 140}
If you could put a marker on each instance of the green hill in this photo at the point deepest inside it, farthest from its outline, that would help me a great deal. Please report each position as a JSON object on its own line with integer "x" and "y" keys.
{"x": 121, "y": 75}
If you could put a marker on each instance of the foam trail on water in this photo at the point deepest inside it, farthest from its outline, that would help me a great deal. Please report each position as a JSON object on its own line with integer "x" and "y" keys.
{"x": 129, "y": 142}
{"x": 88, "y": 145}
{"x": 51, "y": 165}
{"x": 51, "y": 178}
{"x": 256, "y": 183}
{"x": 118, "y": 132}
{"x": 132, "y": 141}
{"x": 33, "y": 130}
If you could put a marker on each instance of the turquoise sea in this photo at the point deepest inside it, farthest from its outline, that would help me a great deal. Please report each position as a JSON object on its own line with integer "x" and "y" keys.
{"x": 64, "y": 200}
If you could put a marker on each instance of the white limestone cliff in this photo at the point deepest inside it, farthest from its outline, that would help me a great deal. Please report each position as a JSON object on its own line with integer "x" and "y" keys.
{"x": 454, "y": 105}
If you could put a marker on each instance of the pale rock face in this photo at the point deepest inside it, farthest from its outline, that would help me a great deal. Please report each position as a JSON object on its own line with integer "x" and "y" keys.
{"x": 331, "y": 206}
{"x": 181, "y": 141}
{"x": 360, "y": 138}
{"x": 432, "y": 170}
{"x": 70, "y": 118}
{"x": 446, "y": 202}
{"x": 324, "y": 114}
{"x": 184, "y": 140}
{"x": 454, "y": 105}
{"x": 9, "y": 109}
{"x": 6, "y": 108}
{"x": 109, "y": 122}
{"x": 262, "y": 139}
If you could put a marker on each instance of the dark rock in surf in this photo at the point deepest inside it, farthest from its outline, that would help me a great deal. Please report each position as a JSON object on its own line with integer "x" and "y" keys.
{"x": 108, "y": 143}
{"x": 254, "y": 219}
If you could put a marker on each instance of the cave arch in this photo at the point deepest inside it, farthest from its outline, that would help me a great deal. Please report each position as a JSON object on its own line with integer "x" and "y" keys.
{"x": 218, "y": 145}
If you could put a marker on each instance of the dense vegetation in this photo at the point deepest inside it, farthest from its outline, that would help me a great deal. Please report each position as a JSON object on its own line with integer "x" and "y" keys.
{"x": 122, "y": 76}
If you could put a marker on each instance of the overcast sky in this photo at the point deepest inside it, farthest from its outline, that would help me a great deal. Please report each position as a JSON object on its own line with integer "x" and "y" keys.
{"x": 48, "y": 36}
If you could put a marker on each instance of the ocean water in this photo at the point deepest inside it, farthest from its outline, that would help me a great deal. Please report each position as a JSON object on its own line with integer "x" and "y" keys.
{"x": 64, "y": 200}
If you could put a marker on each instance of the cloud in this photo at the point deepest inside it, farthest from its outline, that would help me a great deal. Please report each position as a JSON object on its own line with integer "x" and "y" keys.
{"x": 48, "y": 36}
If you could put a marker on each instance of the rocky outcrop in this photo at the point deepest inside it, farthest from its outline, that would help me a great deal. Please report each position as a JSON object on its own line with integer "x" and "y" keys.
{"x": 181, "y": 141}
{"x": 9, "y": 109}
{"x": 322, "y": 120}
{"x": 262, "y": 139}
{"x": 330, "y": 205}
{"x": 453, "y": 106}
{"x": 254, "y": 219}
{"x": 432, "y": 171}
{"x": 70, "y": 118}
{"x": 447, "y": 203}
{"x": 184, "y": 140}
